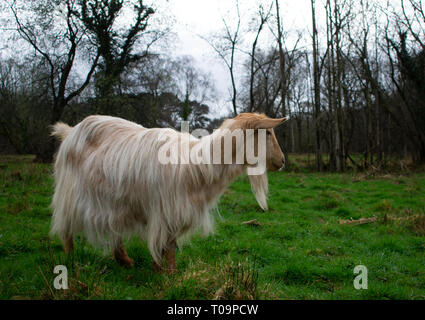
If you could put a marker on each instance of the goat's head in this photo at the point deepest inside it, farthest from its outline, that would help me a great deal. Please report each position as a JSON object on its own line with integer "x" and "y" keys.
{"x": 275, "y": 159}
{"x": 263, "y": 141}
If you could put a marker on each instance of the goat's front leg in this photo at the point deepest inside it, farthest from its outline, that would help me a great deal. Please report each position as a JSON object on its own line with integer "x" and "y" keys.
{"x": 68, "y": 244}
{"x": 170, "y": 256}
{"x": 121, "y": 256}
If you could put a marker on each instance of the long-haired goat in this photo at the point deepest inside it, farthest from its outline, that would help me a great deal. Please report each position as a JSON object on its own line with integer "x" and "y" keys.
{"x": 109, "y": 183}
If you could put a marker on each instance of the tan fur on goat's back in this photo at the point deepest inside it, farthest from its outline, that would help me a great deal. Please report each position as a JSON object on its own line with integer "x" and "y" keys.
{"x": 109, "y": 183}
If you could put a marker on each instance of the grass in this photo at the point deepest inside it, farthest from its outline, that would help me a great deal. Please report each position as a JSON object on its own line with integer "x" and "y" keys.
{"x": 299, "y": 250}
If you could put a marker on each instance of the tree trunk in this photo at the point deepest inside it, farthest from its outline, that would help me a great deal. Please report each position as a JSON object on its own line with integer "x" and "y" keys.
{"x": 316, "y": 76}
{"x": 281, "y": 60}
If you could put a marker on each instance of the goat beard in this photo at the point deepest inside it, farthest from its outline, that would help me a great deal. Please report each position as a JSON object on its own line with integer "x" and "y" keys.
{"x": 260, "y": 188}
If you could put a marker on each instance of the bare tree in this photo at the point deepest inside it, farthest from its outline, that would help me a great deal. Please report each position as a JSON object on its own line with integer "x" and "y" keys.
{"x": 316, "y": 81}
{"x": 225, "y": 45}
{"x": 61, "y": 63}
{"x": 115, "y": 44}
{"x": 281, "y": 59}
{"x": 263, "y": 18}
{"x": 45, "y": 40}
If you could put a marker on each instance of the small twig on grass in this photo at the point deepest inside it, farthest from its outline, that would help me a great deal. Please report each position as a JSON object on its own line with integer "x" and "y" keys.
{"x": 359, "y": 221}
{"x": 375, "y": 219}
{"x": 252, "y": 222}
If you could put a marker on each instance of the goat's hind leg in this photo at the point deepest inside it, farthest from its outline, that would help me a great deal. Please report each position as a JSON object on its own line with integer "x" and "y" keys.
{"x": 121, "y": 255}
{"x": 68, "y": 243}
{"x": 156, "y": 267}
{"x": 170, "y": 256}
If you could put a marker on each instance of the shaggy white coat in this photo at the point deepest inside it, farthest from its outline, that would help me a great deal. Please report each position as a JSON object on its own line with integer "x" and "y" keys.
{"x": 109, "y": 184}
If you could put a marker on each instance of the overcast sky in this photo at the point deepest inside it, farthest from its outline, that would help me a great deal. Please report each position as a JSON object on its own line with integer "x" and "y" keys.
{"x": 195, "y": 18}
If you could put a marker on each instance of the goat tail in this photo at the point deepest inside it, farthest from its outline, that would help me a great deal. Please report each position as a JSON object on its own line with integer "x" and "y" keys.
{"x": 61, "y": 130}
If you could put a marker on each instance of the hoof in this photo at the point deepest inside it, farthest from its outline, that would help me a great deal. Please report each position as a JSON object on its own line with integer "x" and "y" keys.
{"x": 126, "y": 262}
{"x": 171, "y": 271}
{"x": 156, "y": 267}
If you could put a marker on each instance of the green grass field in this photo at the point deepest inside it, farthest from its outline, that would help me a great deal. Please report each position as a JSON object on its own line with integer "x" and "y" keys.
{"x": 299, "y": 249}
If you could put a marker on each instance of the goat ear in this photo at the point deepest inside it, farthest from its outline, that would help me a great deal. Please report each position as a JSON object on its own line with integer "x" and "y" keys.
{"x": 269, "y": 123}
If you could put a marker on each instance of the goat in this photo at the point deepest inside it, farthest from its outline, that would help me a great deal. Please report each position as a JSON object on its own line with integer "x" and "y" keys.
{"x": 109, "y": 184}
